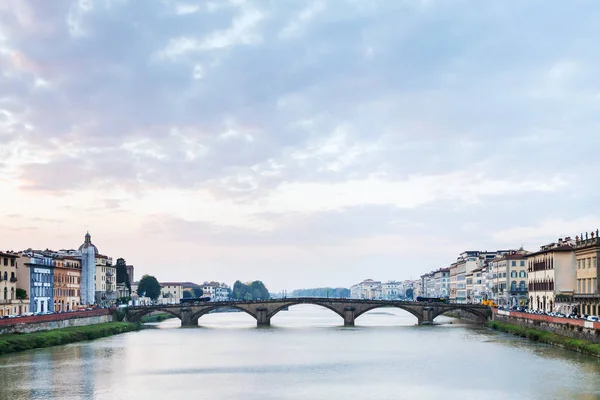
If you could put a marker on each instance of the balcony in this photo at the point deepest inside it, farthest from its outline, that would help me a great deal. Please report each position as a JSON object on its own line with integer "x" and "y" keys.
{"x": 109, "y": 273}
{"x": 13, "y": 279}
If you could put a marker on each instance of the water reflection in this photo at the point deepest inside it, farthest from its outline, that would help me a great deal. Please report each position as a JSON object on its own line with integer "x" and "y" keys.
{"x": 305, "y": 354}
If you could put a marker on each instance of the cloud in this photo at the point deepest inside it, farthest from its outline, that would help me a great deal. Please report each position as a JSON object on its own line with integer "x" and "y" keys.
{"x": 468, "y": 119}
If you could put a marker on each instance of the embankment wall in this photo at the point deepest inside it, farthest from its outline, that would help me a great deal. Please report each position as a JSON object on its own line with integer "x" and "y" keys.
{"x": 54, "y": 321}
{"x": 572, "y": 328}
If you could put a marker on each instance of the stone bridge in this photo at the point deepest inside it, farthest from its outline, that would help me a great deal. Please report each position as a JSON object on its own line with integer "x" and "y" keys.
{"x": 348, "y": 309}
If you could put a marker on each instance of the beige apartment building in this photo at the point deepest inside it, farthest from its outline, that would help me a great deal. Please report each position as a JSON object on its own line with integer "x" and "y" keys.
{"x": 171, "y": 292}
{"x": 551, "y": 271}
{"x": 587, "y": 295}
{"x": 9, "y": 304}
{"x": 106, "y": 281}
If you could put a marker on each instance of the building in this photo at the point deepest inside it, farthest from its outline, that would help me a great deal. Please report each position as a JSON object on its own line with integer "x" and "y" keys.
{"x": 428, "y": 285}
{"x": 67, "y": 283}
{"x": 88, "y": 270}
{"x": 552, "y": 271}
{"x": 35, "y": 275}
{"x": 509, "y": 276}
{"x": 587, "y": 294}
{"x": 391, "y": 290}
{"x": 171, "y": 292}
{"x": 130, "y": 270}
{"x": 367, "y": 289}
{"x": 105, "y": 281}
{"x": 441, "y": 283}
{"x": 10, "y": 304}
{"x": 453, "y": 270}
{"x": 216, "y": 291}
{"x": 466, "y": 263}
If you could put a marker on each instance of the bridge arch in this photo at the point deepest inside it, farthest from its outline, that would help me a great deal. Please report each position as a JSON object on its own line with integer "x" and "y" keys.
{"x": 415, "y": 313}
{"x": 273, "y": 312}
{"x": 139, "y": 314}
{"x": 196, "y": 316}
{"x": 481, "y": 314}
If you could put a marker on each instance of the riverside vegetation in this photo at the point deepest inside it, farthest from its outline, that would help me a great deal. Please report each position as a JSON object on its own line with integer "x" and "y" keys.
{"x": 11, "y": 343}
{"x": 579, "y": 345}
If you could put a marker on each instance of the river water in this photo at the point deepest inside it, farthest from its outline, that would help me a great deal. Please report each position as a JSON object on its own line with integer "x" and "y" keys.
{"x": 306, "y": 354}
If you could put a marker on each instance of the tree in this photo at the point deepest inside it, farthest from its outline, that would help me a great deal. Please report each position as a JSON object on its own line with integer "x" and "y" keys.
{"x": 122, "y": 275}
{"x": 21, "y": 294}
{"x": 187, "y": 294}
{"x": 409, "y": 293}
{"x": 149, "y": 287}
{"x": 249, "y": 291}
{"x": 198, "y": 292}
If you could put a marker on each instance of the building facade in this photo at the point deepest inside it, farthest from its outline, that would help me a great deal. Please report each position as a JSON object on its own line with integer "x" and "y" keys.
{"x": 9, "y": 303}
{"x": 367, "y": 289}
{"x": 36, "y": 275}
{"x": 88, "y": 270}
{"x": 391, "y": 290}
{"x": 587, "y": 293}
{"x": 67, "y": 283}
{"x": 509, "y": 276}
{"x": 170, "y": 292}
{"x": 551, "y": 271}
{"x": 105, "y": 282}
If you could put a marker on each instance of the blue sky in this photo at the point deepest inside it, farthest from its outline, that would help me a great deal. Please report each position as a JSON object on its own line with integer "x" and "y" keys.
{"x": 303, "y": 143}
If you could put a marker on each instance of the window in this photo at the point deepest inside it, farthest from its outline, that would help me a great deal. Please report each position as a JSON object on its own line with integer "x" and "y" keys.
{"x": 514, "y": 263}
{"x": 5, "y": 261}
{"x": 522, "y": 274}
{"x": 578, "y": 264}
{"x": 513, "y": 274}
{"x": 12, "y": 262}
{"x": 522, "y": 264}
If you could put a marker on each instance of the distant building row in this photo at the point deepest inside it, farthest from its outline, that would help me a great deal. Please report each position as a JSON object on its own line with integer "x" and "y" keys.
{"x": 562, "y": 277}
{"x": 40, "y": 281}
{"x": 173, "y": 292}
{"x": 391, "y": 290}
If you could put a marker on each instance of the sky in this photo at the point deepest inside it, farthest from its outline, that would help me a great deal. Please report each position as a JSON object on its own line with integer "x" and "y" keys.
{"x": 301, "y": 143}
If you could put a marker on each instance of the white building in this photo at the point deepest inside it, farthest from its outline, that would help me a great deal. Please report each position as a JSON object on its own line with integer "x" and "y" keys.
{"x": 391, "y": 290}
{"x": 88, "y": 270}
{"x": 367, "y": 289}
{"x": 216, "y": 291}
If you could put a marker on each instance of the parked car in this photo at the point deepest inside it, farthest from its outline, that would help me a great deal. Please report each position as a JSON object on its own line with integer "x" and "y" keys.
{"x": 592, "y": 318}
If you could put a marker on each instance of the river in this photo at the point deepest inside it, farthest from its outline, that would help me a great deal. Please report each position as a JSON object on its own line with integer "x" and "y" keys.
{"x": 305, "y": 354}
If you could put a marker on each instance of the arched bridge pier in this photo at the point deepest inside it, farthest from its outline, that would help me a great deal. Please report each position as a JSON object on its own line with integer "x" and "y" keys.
{"x": 347, "y": 309}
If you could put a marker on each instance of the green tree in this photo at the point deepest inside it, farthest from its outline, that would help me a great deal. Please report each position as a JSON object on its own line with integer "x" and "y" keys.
{"x": 198, "y": 292}
{"x": 187, "y": 294}
{"x": 21, "y": 294}
{"x": 122, "y": 275}
{"x": 249, "y": 291}
{"x": 149, "y": 287}
{"x": 409, "y": 293}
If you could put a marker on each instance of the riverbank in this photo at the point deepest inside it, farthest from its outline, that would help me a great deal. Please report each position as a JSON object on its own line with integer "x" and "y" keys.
{"x": 11, "y": 343}
{"x": 579, "y": 345}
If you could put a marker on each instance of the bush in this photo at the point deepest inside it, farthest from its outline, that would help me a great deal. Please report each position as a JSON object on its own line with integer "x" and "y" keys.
{"x": 25, "y": 341}
{"x": 579, "y": 345}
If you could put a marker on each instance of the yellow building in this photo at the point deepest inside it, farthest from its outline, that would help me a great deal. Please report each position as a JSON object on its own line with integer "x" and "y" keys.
{"x": 9, "y": 304}
{"x": 171, "y": 292}
{"x": 587, "y": 252}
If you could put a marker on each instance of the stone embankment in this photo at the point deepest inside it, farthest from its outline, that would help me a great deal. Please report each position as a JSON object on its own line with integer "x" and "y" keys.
{"x": 571, "y": 328}
{"x": 55, "y": 321}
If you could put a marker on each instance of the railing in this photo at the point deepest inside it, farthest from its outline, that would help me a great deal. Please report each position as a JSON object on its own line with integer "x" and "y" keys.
{"x": 13, "y": 279}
